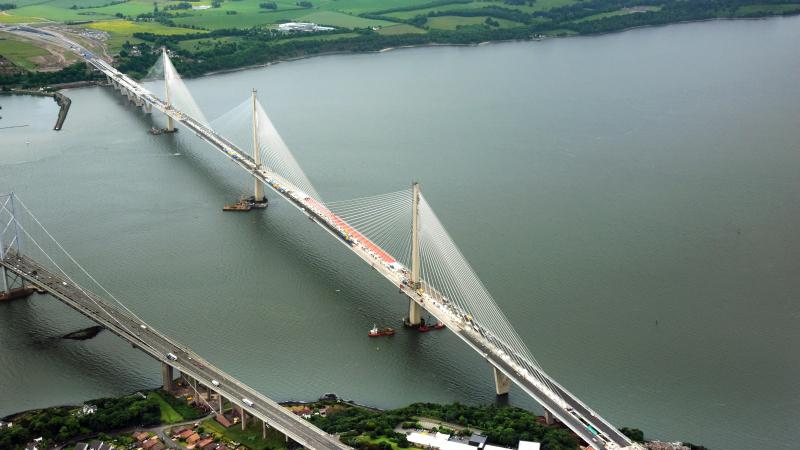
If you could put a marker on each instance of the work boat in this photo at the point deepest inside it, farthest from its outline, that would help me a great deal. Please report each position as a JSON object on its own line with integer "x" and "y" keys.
{"x": 375, "y": 332}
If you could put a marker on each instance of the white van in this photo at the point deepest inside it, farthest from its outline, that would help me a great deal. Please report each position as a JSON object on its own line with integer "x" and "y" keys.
{"x": 247, "y": 402}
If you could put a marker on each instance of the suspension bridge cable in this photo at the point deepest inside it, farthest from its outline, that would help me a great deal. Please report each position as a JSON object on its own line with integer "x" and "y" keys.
{"x": 60, "y": 269}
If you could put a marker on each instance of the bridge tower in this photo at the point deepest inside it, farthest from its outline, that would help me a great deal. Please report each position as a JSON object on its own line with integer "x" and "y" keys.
{"x": 170, "y": 124}
{"x": 414, "y": 310}
{"x": 11, "y": 285}
{"x": 258, "y": 195}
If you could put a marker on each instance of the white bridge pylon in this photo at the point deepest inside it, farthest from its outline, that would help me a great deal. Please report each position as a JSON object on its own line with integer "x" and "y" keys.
{"x": 248, "y": 125}
{"x": 378, "y": 229}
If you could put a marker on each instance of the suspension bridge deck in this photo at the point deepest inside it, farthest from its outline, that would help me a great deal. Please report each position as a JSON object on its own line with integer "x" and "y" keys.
{"x": 158, "y": 345}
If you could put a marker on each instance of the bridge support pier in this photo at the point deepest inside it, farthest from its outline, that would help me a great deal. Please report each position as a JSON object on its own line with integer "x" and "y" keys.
{"x": 148, "y": 108}
{"x": 414, "y": 310}
{"x": 219, "y": 398}
{"x": 548, "y": 418}
{"x": 502, "y": 384}
{"x": 167, "y": 376}
{"x": 414, "y": 313}
{"x": 263, "y": 429}
{"x": 244, "y": 418}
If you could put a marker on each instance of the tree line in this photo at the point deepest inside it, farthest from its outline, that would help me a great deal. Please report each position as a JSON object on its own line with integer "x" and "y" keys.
{"x": 58, "y": 425}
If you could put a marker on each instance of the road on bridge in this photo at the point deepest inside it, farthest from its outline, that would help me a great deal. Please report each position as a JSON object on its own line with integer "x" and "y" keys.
{"x": 158, "y": 345}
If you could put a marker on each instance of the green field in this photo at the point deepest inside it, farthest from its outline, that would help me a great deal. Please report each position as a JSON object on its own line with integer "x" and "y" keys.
{"x": 122, "y": 30}
{"x": 195, "y": 45}
{"x": 768, "y": 9}
{"x": 243, "y": 13}
{"x": 619, "y": 12}
{"x": 453, "y": 22}
{"x": 251, "y": 437}
{"x": 20, "y": 53}
{"x": 400, "y": 29}
{"x": 168, "y": 413}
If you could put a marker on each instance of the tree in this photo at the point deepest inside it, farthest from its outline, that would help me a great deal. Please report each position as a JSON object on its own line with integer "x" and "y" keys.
{"x": 633, "y": 433}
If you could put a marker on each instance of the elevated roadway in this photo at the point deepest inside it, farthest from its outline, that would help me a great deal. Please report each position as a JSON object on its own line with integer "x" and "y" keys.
{"x": 158, "y": 345}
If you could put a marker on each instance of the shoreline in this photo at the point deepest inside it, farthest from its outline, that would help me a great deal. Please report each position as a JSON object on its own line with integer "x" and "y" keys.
{"x": 61, "y": 100}
{"x": 484, "y": 43}
{"x": 353, "y": 403}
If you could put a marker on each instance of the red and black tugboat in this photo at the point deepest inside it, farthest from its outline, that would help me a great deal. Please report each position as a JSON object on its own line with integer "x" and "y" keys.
{"x": 376, "y": 332}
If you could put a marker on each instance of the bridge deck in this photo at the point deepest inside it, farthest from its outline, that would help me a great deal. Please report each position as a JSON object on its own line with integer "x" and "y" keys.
{"x": 157, "y": 345}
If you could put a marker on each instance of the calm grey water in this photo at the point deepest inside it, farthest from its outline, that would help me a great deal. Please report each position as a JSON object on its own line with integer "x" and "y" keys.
{"x": 631, "y": 201}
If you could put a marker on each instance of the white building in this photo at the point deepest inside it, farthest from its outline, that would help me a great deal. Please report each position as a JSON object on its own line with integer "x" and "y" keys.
{"x": 302, "y": 27}
{"x": 442, "y": 442}
{"x": 437, "y": 440}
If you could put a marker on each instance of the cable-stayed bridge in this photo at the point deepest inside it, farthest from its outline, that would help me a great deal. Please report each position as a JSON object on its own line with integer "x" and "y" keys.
{"x": 398, "y": 234}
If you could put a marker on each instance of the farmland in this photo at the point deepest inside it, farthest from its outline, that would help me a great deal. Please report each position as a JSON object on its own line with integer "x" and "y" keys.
{"x": 20, "y": 53}
{"x": 225, "y": 34}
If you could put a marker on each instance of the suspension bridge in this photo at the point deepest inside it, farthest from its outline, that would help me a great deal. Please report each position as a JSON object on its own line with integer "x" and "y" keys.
{"x": 46, "y": 265}
{"x": 397, "y": 234}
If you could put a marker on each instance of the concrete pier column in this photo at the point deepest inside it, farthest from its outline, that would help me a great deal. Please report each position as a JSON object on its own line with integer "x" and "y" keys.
{"x": 244, "y": 418}
{"x": 263, "y": 429}
{"x": 4, "y": 276}
{"x": 219, "y": 398}
{"x": 502, "y": 384}
{"x": 166, "y": 376}
{"x": 148, "y": 108}
{"x": 548, "y": 418}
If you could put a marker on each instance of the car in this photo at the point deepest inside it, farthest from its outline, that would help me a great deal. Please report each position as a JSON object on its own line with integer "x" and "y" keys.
{"x": 215, "y": 382}
{"x": 247, "y": 402}
{"x": 64, "y": 283}
{"x": 172, "y": 357}
{"x": 143, "y": 326}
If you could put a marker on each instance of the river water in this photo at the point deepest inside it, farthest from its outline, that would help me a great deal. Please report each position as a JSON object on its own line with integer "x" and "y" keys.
{"x": 631, "y": 200}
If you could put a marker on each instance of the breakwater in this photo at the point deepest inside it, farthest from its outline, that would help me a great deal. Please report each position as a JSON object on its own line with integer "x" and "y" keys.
{"x": 62, "y": 100}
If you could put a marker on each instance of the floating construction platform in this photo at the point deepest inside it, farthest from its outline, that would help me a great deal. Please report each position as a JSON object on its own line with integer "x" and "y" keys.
{"x": 246, "y": 204}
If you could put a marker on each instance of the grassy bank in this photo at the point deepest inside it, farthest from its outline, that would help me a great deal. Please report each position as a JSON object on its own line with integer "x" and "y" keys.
{"x": 250, "y": 437}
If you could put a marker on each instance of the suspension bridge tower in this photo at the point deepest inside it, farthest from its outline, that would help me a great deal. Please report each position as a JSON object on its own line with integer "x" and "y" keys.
{"x": 11, "y": 285}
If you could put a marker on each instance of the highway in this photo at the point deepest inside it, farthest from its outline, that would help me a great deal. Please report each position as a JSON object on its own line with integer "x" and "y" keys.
{"x": 156, "y": 344}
